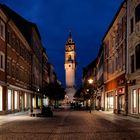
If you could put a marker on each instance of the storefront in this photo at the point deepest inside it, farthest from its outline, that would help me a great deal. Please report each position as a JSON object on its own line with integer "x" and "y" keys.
{"x": 134, "y": 100}
{"x": 121, "y": 99}
{"x": 110, "y": 101}
{"x": 17, "y": 100}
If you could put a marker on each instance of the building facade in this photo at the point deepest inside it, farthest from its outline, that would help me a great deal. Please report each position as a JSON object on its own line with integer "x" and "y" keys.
{"x": 3, "y": 21}
{"x": 24, "y": 68}
{"x": 133, "y": 51}
{"x": 114, "y": 43}
{"x": 100, "y": 80}
{"x": 16, "y": 93}
{"x": 70, "y": 68}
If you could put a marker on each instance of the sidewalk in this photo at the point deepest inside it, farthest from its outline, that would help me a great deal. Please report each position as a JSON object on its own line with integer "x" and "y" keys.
{"x": 8, "y": 117}
{"x": 113, "y": 116}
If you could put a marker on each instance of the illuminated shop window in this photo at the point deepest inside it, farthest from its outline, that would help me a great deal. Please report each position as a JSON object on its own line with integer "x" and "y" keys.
{"x": 9, "y": 99}
{"x": 139, "y": 99}
{"x": 25, "y": 100}
{"x": 110, "y": 101}
{"x": 134, "y": 103}
{"x": 1, "y": 98}
{"x": 16, "y": 100}
{"x": 33, "y": 102}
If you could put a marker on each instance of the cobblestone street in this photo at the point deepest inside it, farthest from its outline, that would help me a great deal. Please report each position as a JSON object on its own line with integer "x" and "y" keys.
{"x": 70, "y": 125}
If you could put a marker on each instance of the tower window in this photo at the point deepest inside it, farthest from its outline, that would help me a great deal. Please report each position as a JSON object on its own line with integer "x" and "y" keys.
{"x": 70, "y": 58}
{"x": 69, "y": 65}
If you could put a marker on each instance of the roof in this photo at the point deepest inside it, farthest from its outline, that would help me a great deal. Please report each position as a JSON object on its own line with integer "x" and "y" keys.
{"x": 22, "y": 24}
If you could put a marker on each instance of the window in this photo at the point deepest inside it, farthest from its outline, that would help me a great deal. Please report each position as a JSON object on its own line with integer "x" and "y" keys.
{"x": 25, "y": 100}
{"x": 131, "y": 25}
{"x": 137, "y": 13}
{"x": 69, "y": 58}
{"x": 134, "y": 103}
{"x": 2, "y": 29}
{"x": 132, "y": 63}
{"x": 137, "y": 56}
{"x": 9, "y": 99}
{"x": 16, "y": 100}
{"x": 2, "y": 60}
{"x": 139, "y": 99}
{"x": 1, "y": 98}
{"x": 9, "y": 67}
{"x": 122, "y": 102}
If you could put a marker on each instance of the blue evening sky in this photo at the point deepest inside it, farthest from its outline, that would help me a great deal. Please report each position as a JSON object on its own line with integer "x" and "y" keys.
{"x": 88, "y": 21}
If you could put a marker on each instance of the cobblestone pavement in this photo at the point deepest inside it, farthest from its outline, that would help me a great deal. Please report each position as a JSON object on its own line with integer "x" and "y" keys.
{"x": 70, "y": 125}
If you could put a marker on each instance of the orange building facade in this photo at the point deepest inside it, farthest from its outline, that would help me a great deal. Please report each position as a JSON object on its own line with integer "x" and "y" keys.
{"x": 114, "y": 44}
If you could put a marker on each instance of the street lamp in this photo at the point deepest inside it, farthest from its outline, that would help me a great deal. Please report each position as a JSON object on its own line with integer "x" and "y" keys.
{"x": 90, "y": 81}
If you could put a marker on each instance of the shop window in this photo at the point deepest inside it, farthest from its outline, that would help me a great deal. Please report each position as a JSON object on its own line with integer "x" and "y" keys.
{"x": 16, "y": 100}
{"x": 121, "y": 102}
{"x": 132, "y": 63}
{"x": 2, "y": 60}
{"x": 137, "y": 13}
{"x": 9, "y": 99}
{"x": 33, "y": 102}
{"x": 25, "y": 100}
{"x": 139, "y": 99}
{"x": 110, "y": 101}
{"x": 134, "y": 101}
{"x": 137, "y": 56}
{"x": 1, "y": 98}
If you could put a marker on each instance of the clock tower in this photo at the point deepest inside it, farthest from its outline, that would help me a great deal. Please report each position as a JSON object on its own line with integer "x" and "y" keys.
{"x": 70, "y": 68}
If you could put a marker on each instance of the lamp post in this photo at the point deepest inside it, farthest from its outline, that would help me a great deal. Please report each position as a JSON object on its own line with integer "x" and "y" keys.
{"x": 90, "y": 81}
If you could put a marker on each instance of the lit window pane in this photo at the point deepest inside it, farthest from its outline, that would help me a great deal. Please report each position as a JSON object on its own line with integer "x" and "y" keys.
{"x": 0, "y": 98}
{"x": 9, "y": 99}
{"x": 16, "y": 100}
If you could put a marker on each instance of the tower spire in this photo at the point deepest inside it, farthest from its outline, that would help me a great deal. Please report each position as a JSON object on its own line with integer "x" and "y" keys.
{"x": 70, "y": 37}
